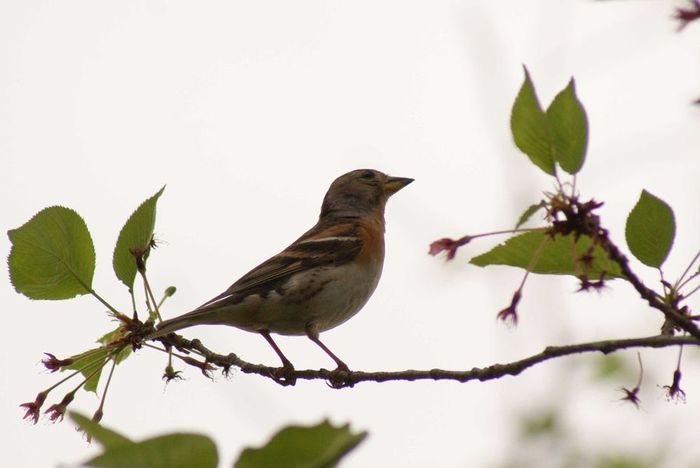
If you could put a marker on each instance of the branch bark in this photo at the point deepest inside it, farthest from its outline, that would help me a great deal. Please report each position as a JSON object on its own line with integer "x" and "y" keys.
{"x": 340, "y": 379}
{"x": 672, "y": 314}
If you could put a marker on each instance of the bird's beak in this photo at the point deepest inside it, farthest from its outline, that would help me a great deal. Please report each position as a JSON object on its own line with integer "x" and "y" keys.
{"x": 394, "y": 184}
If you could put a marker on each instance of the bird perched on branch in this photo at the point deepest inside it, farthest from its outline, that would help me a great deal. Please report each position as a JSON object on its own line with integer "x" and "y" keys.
{"x": 319, "y": 281}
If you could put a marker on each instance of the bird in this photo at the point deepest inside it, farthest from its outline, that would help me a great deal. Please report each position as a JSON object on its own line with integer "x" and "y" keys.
{"x": 320, "y": 280}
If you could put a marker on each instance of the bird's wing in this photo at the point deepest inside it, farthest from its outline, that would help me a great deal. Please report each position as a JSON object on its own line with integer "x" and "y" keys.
{"x": 322, "y": 245}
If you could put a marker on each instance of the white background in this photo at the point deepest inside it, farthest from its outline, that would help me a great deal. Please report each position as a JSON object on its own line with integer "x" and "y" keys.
{"x": 248, "y": 110}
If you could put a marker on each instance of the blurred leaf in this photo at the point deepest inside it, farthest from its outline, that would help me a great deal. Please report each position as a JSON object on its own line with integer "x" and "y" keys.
{"x": 625, "y": 461}
{"x": 135, "y": 237}
{"x": 317, "y": 446}
{"x": 543, "y": 423}
{"x": 173, "y": 450}
{"x": 168, "y": 451}
{"x": 650, "y": 230}
{"x": 569, "y": 125}
{"x": 527, "y": 214}
{"x": 557, "y": 255}
{"x": 106, "y": 437}
{"x": 530, "y": 127}
{"x": 612, "y": 366}
{"x": 52, "y": 255}
{"x": 93, "y": 356}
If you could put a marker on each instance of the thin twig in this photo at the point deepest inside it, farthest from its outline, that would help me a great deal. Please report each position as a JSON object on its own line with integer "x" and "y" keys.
{"x": 649, "y": 294}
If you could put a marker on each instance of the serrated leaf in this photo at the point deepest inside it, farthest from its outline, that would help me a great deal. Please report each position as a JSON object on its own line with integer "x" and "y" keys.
{"x": 168, "y": 451}
{"x": 134, "y": 239}
{"x": 87, "y": 362}
{"x": 527, "y": 214}
{"x": 530, "y": 127}
{"x": 322, "y": 445}
{"x": 650, "y": 230}
{"x": 569, "y": 125}
{"x": 52, "y": 255}
{"x": 558, "y": 256}
{"x": 108, "y": 438}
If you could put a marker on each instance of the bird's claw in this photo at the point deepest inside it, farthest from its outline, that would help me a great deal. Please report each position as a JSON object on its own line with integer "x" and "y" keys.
{"x": 340, "y": 377}
{"x": 284, "y": 375}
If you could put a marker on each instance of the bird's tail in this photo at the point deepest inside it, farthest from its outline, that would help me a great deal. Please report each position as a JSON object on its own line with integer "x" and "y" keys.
{"x": 196, "y": 317}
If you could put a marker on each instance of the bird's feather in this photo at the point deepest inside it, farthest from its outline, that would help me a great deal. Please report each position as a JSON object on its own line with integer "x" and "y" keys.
{"x": 322, "y": 245}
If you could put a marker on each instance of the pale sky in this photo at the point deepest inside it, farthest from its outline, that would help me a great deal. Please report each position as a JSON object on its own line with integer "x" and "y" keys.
{"x": 248, "y": 111}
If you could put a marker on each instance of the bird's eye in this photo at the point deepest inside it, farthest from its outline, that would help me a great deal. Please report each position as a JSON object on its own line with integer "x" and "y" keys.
{"x": 367, "y": 174}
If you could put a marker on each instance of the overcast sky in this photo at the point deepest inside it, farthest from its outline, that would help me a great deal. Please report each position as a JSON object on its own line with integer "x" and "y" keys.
{"x": 248, "y": 111}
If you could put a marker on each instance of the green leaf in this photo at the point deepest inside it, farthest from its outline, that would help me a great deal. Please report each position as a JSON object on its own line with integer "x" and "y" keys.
{"x": 87, "y": 362}
{"x": 322, "y": 445}
{"x": 168, "y": 451}
{"x": 52, "y": 255}
{"x": 135, "y": 239}
{"x": 173, "y": 450}
{"x": 650, "y": 230}
{"x": 530, "y": 127}
{"x": 113, "y": 336}
{"x": 108, "y": 438}
{"x": 558, "y": 256}
{"x": 569, "y": 125}
{"x": 527, "y": 214}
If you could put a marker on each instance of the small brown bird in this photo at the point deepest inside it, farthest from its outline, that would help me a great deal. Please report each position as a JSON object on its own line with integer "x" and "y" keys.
{"x": 319, "y": 281}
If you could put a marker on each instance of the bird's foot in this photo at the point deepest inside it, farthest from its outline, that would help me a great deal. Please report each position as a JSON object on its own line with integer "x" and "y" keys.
{"x": 341, "y": 377}
{"x": 284, "y": 375}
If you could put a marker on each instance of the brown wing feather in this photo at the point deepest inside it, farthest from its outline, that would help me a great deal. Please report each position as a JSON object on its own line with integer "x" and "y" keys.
{"x": 321, "y": 245}
{"x": 324, "y": 244}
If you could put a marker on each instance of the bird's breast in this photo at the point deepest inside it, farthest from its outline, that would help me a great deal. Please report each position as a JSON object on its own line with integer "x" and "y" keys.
{"x": 325, "y": 296}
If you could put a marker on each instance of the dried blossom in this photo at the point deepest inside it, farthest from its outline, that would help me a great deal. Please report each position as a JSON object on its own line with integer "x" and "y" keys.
{"x": 205, "y": 367}
{"x": 171, "y": 374}
{"x": 674, "y": 391}
{"x": 687, "y": 15}
{"x": 58, "y": 410}
{"x": 631, "y": 395}
{"x": 586, "y": 284}
{"x": 449, "y": 245}
{"x": 33, "y": 408}
{"x": 510, "y": 313}
{"x": 52, "y": 363}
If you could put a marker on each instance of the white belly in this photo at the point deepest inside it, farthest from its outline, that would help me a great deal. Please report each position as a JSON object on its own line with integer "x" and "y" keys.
{"x": 324, "y": 296}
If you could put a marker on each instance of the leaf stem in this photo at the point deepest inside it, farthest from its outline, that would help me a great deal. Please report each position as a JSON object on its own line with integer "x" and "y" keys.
{"x": 686, "y": 296}
{"x": 506, "y": 231}
{"x": 689, "y": 279}
{"x": 77, "y": 371}
{"x": 641, "y": 369}
{"x": 105, "y": 303}
{"x": 679, "y": 284}
{"x": 150, "y": 296}
{"x": 109, "y": 380}
{"x": 534, "y": 260}
{"x": 133, "y": 301}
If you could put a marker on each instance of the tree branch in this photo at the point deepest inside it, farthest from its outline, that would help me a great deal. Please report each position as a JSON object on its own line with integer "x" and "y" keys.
{"x": 671, "y": 313}
{"x": 339, "y": 379}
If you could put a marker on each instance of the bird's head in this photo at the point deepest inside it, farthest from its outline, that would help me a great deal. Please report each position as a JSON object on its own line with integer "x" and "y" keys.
{"x": 360, "y": 192}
